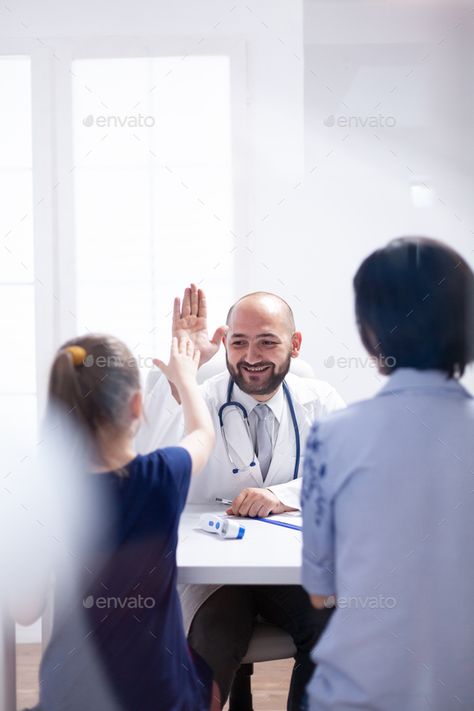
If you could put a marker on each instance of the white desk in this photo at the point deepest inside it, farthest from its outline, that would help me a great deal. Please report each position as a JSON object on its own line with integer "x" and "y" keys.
{"x": 266, "y": 555}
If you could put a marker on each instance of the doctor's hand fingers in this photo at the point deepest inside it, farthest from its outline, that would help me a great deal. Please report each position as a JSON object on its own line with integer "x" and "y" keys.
{"x": 236, "y": 504}
{"x": 162, "y": 366}
{"x": 186, "y": 307}
{"x": 264, "y": 511}
{"x": 219, "y": 335}
{"x": 253, "y": 508}
{"x": 176, "y": 310}
{"x": 202, "y": 304}
{"x": 257, "y": 506}
{"x": 246, "y": 505}
{"x": 194, "y": 300}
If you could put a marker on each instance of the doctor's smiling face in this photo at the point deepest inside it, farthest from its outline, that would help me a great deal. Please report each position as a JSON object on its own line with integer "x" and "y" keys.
{"x": 260, "y": 343}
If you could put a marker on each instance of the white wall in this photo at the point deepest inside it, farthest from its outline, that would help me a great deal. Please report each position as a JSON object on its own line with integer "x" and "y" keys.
{"x": 412, "y": 65}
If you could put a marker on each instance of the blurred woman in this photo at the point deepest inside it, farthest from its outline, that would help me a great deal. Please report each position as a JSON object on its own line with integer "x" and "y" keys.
{"x": 388, "y": 497}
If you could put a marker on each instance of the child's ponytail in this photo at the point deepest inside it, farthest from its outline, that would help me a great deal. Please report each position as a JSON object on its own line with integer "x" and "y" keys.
{"x": 91, "y": 380}
{"x": 64, "y": 387}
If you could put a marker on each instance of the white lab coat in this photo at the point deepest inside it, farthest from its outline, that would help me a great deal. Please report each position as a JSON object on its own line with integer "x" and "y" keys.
{"x": 164, "y": 426}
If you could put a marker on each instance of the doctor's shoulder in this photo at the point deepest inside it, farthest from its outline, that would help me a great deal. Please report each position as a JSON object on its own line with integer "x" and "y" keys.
{"x": 214, "y": 389}
{"x": 318, "y": 395}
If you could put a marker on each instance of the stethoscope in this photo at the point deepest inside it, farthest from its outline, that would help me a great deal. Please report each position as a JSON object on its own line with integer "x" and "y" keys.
{"x": 245, "y": 417}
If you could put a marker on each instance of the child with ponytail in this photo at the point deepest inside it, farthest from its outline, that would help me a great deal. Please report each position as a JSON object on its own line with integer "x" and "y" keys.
{"x": 118, "y": 642}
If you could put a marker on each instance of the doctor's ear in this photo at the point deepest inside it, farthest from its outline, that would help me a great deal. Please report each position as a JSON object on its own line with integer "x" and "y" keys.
{"x": 296, "y": 340}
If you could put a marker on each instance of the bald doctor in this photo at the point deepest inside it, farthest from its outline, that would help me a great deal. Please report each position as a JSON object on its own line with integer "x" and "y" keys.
{"x": 262, "y": 415}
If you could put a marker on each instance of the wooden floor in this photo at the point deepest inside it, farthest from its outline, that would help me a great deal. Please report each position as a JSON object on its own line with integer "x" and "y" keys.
{"x": 269, "y": 687}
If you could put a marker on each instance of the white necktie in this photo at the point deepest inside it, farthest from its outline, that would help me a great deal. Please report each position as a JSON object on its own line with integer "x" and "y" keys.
{"x": 264, "y": 442}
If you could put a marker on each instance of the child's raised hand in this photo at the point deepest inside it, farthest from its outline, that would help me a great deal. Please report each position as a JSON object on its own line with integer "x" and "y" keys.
{"x": 183, "y": 363}
{"x": 181, "y": 374}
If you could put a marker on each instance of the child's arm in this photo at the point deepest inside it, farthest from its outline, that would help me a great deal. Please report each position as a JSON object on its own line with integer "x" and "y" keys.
{"x": 181, "y": 371}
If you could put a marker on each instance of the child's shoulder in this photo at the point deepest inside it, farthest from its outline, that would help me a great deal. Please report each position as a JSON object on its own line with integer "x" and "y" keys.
{"x": 161, "y": 460}
{"x": 166, "y": 468}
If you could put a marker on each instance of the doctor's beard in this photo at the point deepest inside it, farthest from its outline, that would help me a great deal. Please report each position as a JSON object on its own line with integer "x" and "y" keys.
{"x": 268, "y": 384}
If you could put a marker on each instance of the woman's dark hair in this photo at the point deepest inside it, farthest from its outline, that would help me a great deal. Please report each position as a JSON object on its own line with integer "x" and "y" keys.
{"x": 414, "y": 302}
{"x": 91, "y": 381}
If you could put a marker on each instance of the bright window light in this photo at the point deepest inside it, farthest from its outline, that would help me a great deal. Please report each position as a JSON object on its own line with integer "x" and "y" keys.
{"x": 153, "y": 192}
{"x": 17, "y": 312}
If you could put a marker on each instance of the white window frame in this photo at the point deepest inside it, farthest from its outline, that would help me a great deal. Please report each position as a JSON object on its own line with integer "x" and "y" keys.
{"x": 53, "y": 170}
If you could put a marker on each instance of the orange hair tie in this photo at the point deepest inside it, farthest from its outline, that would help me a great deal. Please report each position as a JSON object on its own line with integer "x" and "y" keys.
{"x": 78, "y": 354}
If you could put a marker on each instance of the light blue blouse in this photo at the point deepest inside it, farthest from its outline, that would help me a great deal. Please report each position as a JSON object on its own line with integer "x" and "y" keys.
{"x": 388, "y": 509}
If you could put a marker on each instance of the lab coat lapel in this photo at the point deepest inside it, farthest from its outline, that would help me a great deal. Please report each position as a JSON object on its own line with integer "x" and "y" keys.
{"x": 284, "y": 454}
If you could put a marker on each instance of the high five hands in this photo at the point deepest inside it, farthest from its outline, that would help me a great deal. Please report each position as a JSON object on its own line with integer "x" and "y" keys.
{"x": 190, "y": 321}
{"x": 183, "y": 362}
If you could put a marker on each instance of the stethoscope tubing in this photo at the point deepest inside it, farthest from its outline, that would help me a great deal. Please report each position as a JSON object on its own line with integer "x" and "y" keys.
{"x": 234, "y": 403}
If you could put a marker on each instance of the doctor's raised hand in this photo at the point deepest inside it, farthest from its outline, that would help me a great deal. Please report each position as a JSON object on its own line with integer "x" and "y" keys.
{"x": 190, "y": 321}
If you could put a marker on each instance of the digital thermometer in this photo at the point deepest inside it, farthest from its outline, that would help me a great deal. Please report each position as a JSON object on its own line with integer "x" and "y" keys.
{"x": 224, "y": 527}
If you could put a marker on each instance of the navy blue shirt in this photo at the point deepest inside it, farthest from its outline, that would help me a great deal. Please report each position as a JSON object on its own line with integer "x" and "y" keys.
{"x": 118, "y": 642}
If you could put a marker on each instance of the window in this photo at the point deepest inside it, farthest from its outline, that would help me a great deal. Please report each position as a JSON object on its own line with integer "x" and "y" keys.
{"x": 152, "y": 191}
{"x": 17, "y": 309}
